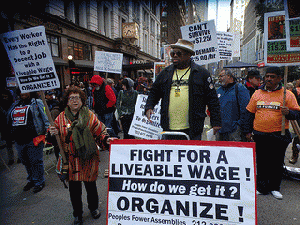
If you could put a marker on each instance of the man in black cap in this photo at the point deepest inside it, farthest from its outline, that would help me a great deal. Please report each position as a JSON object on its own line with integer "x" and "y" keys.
{"x": 185, "y": 89}
{"x": 253, "y": 81}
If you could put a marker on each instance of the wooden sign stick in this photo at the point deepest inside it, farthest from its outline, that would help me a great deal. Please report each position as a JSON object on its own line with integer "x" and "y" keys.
{"x": 42, "y": 94}
{"x": 286, "y": 70}
{"x": 296, "y": 127}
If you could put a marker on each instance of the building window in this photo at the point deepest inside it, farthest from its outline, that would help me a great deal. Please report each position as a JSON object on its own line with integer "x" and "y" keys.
{"x": 146, "y": 43}
{"x": 164, "y": 34}
{"x": 124, "y": 5}
{"x": 53, "y": 43}
{"x": 164, "y": 24}
{"x": 79, "y": 51}
{"x": 106, "y": 18}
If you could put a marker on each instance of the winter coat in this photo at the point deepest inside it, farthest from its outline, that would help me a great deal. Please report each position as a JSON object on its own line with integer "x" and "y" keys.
{"x": 104, "y": 98}
{"x": 40, "y": 119}
{"x": 201, "y": 94}
{"x": 233, "y": 102}
{"x": 78, "y": 170}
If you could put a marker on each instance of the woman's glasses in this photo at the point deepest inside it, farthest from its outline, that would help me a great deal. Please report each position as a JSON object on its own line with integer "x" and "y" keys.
{"x": 74, "y": 98}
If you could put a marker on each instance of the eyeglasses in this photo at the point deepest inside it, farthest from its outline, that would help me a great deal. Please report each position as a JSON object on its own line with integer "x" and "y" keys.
{"x": 178, "y": 53}
{"x": 74, "y": 98}
{"x": 270, "y": 76}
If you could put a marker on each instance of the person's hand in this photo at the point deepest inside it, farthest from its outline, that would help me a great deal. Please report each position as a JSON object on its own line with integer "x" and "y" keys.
{"x": 216, "y": 129}
{"x": 285, "y": 110}
{"x": 149, "y": 112}
{"x": 53, "y": 130}
{"x": 110, "y": 139}
{"x": 249, "y": 137}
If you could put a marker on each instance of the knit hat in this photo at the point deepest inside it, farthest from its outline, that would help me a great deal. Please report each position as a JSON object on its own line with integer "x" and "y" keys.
{"x": 96, "y": 79}
{"x": 275, "y": 69}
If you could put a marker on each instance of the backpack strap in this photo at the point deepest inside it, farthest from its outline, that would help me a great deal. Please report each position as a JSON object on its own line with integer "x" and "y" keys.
{"x": 236, "y": 87}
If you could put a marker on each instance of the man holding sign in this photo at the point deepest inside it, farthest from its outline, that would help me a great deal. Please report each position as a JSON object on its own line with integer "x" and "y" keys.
{"x": 185, "y": 89}
{"x": 30, "y": 56}
{"x": 265, "y": 111}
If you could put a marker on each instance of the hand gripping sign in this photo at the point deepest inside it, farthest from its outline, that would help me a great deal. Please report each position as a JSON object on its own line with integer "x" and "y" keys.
{"x": 181, "y": 182}
{"x": 31, "y": 59}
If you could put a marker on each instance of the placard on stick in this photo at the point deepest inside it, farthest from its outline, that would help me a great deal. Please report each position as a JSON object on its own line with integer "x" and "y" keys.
{"x": 181, "y": 182}
{"x": 140, "y": 126}
{"x": 292, "y": 25}
{"x": 275, "y": 51}
{"x": 204, "y": 37}
{"x": 110, "y": 62}
{"x": 31, "y": 59}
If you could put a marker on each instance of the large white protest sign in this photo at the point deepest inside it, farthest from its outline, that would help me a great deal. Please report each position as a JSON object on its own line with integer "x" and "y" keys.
{"x": 140, "y": 126}
{"x": 110, "y": 62}
{"x": 31, "y": 59}
{"x": 181, "y": 182}
{"x": 204, "y": 37}
{"x": 225, "y": 45}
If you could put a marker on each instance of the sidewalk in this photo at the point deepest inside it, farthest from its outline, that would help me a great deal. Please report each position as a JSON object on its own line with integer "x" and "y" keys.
{"x": 50, "y": 206}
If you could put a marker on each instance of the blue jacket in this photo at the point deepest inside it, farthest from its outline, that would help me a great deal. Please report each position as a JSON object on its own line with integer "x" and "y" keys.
{"x": 40, "y": 119}
{"x": 232, "y": 108}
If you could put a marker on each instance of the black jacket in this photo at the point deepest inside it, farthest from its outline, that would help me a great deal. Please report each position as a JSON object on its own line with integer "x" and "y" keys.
{"x": 201, "y": 94}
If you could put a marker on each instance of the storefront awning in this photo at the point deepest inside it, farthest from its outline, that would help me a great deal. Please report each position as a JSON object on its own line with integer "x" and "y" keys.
{"x": 59, "y": 62}
{"x": 84, "y": 63}
{"x": 143, "y": 66}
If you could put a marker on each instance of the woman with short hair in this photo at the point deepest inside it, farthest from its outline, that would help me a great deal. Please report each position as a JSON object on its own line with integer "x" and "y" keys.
{"x": 80, "y": 130}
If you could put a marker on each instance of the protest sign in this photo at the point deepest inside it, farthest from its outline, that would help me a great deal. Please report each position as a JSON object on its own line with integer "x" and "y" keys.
{"x": 31, "y": 59}
{"x": 181, "y": 182}
{"x": 167, "y": 55}
{"x": 110, "y": 62}
{"x": 158, "y": 67}
{"x": 275, "y": 50}
{"x": 225, "y": 45}
{"x": 140, "y": 126}
{"x": 204, "y": 37}
{"x": 236, "y": 46}
{"x": 292, "y": 25}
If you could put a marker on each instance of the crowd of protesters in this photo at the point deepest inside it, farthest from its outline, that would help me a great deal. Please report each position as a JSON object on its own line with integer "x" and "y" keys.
{"x": 84, "y": 117}
{"x": 88, "y": 116}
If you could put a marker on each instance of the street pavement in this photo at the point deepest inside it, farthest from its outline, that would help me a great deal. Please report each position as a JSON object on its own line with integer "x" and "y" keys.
{"x": 52, "y": 205}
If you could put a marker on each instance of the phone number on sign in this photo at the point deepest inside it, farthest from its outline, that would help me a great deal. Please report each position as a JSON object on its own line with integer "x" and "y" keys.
{"x": 199, "y": 222}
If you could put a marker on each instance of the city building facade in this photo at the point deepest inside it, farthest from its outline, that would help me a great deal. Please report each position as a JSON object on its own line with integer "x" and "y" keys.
{"x": 250, "y": 34}
{"x": 76, "y": 29}
{"x": 173, "y": 17}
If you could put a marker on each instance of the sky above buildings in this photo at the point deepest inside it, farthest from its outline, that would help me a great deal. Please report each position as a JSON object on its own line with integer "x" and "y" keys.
{"x": 222, "y": 15}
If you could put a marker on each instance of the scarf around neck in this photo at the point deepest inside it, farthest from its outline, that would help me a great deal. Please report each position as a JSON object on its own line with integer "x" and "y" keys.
{"x": 83, "y": 139}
